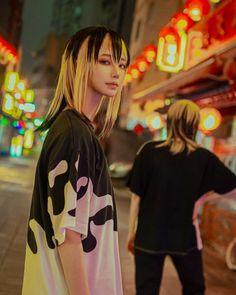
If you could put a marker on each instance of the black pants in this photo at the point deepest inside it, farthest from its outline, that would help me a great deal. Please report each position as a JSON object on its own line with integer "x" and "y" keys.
{"x": 149, "y": 270}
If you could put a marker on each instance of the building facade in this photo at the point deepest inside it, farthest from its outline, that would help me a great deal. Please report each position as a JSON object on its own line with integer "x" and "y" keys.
{"x": 208, "y": 57}
{"x": 149, "y": 17}
{"x": 10, "y": 33}
{"x": 71, "y": 15}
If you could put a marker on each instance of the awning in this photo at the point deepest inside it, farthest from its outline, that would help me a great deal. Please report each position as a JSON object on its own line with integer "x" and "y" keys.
{"x": 187, "y": 77}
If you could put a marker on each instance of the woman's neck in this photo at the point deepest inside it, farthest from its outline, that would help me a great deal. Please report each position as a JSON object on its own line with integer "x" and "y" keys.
{"x": 91, "y": 103}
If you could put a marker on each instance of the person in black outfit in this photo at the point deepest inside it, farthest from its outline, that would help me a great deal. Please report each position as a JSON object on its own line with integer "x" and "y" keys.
{"x": 73, "y": 219}
{"x": 167, "y": 180}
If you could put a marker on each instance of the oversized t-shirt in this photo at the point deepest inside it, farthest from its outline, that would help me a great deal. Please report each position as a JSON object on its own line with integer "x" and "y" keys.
{"x": 169, "y": 186}
{"x": 72, "y": 191}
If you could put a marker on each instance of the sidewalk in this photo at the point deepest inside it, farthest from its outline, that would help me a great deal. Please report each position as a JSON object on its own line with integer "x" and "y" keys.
{"x": 16, "y": 181}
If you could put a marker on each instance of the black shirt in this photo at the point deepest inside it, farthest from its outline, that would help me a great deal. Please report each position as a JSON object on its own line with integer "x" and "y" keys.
{"x": 73, "y": 191}
{"x": 169, "y": 185}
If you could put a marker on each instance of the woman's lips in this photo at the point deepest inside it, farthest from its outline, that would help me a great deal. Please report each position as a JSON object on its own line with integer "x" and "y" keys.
{"x": 112, "y": 85}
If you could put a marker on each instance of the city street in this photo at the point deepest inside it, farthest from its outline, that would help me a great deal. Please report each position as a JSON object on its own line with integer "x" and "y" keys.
{"x": 16, "y": 179}
{"x": 139, "y": 71}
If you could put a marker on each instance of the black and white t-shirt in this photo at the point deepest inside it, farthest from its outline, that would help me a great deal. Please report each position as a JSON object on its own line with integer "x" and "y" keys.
{"x": 169, "y": 186}
{"x": 72, "y": 191}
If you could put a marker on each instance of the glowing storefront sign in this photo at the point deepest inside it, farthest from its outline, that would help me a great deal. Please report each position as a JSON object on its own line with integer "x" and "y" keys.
{"x": 29, "y": 107}
{"x": 11, "y": 80}
{"x": 16, "y": 146}
{"x": 8, "y": 104}
{"x": 28, "y": 139}
{"x": 29, "y": 95}
{"x": 210, "y": 36}
{"x": 171, "y": 50}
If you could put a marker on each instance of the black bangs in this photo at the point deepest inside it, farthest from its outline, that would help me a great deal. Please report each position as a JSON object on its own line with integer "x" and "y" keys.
{"x": 116, "y": 42}
{"x": 76, "y": 42}
{"x": 96, "y": 36}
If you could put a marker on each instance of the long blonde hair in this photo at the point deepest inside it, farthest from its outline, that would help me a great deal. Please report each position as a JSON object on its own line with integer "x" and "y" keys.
{"x": 78, "y": 60}
{"x": 182, "y": 123}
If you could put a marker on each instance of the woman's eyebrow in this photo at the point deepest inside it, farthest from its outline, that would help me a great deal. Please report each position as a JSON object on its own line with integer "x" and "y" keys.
{"x": 109, "y": 55}
{"x": 106, "y": 54}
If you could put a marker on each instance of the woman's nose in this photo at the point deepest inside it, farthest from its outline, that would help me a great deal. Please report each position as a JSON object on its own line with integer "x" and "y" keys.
{"x": 115, "y": 71}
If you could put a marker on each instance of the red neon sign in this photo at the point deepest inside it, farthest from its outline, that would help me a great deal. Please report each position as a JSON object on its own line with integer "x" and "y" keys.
{"x": 8, "y": 53}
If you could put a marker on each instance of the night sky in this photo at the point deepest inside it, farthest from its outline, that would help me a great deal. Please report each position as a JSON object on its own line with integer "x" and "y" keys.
{"x": 36, "y": 24}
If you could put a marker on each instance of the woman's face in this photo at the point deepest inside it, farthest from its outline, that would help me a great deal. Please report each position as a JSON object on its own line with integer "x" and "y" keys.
{"x": 108, "y": 76}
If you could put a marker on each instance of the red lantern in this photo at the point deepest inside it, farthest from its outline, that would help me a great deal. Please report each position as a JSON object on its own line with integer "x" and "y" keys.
{"x": 181, "y": 21}
{"x": 150, "y": 52}
{"x": 210, "y": 119}
{"x": 8, "y": 49}
{"x": 197, "y": 8}
{"x": 142, "y": 63}
{"x": 169, "y": 33}
{"x": 128, "y": 78}
{"x": 134, "y": 71}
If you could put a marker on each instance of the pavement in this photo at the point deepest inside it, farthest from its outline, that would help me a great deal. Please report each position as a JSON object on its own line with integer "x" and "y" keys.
{"x": 16, "y": 181}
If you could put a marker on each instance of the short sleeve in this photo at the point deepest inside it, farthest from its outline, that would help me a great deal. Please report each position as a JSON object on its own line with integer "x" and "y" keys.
{"x": 217, "y": 177}
{"x": 137, "y": 180}
{"x": 69, "y": 194}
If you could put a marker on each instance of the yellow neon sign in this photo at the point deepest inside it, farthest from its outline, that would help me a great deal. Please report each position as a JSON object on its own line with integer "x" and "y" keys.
{"x": 170, "y": 57}
{"x": 11, "y": 80}
{"x": 8, "y": 104}
{"x": 28, "y": 139}
{"x": 29, "y": 95}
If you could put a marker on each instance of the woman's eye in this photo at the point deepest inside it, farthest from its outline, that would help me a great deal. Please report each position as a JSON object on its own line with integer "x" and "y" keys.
{"x": 122, "y": 66}
{"x": 105, "y": 62}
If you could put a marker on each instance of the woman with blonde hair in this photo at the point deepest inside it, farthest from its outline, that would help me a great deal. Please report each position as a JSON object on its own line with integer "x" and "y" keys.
{"x": 167, "y": 180}
{"x": 72, "y": 244}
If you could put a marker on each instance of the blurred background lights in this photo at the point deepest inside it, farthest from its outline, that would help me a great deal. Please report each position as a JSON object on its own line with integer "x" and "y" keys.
{"x": 4, "y": 121}
{"x": 21, "y": 85}
{"x": 11, "y": 80}
{"x": 215, "y": 1}
{"x": 29, "y": 107}
{"x": 29, "y": 95}
{"x": 17, "y": 95}
{"x": 28, "y": 139}
{"x": 8, "y": 103}
{"x": 38, "y": 121}
{"x": 155, "y": 121}
{"x": 210, "y": 119}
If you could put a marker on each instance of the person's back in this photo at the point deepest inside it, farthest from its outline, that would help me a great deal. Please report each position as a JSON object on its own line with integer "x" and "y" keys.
{"x": 171, "y": 184}
{"x": 167, "y": 180}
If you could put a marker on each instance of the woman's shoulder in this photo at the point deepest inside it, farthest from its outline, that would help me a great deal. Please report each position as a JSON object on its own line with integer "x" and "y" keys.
{"x": 203, "y": 152}
{"x": 70, "y": 127}
{"x": 210, "y": 156}
{"x": 78, "y": 122}
{"x": 148, "y": 146}
{"x": 204, "y": 156}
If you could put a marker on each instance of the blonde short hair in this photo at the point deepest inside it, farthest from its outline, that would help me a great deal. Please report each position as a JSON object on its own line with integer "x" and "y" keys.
{"x": 78, "y": 60}
{"x": 182, "y": 123}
